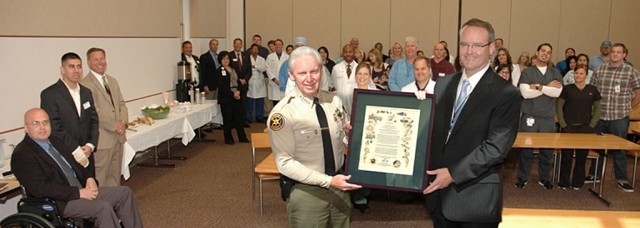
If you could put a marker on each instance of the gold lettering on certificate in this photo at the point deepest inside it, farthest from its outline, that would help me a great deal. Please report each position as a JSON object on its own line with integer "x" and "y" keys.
{"x": 389, "y": 140}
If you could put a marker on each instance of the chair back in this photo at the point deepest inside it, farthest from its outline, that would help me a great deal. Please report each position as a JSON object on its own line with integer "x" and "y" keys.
{"x": 259, "y": 140}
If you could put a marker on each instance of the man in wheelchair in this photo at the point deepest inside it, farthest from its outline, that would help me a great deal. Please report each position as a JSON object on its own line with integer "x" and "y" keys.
{"x": 45, "y": 167}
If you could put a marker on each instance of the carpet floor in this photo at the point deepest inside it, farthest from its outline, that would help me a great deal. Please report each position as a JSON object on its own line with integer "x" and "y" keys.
{"x": 212, "y": 188}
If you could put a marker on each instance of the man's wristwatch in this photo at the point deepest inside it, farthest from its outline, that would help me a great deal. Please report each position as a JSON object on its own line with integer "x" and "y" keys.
{"x": 538, "y": 86}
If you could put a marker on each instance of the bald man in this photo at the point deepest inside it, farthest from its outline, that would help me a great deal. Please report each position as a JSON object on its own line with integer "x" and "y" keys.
{"x": 440, "y": 66}
{"x": 45, "y": 167}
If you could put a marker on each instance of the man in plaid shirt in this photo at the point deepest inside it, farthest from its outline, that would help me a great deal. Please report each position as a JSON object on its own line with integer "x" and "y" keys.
{"x": 619, "y": 84}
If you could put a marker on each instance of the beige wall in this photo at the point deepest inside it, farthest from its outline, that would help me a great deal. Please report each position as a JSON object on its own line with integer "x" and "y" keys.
{"x": 333, "y": 23}
{"x": 97, "y": 18}
{"x": 310, "y": 20}
{"x": 271, "y": 19}
{"x": 208, "y": 18}
{"x": 624, "y": 27}
{"x": 581, "y": 24}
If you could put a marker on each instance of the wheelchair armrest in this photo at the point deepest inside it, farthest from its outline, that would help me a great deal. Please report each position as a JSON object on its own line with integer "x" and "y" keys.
{"x": 34, "y": 200}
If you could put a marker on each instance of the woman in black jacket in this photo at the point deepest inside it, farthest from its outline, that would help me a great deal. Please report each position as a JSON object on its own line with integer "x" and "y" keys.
{"x": 231, "y": 91}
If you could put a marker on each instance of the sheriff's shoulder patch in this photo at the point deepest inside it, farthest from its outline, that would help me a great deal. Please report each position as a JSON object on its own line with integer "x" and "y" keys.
{"x": 277, "y": 122}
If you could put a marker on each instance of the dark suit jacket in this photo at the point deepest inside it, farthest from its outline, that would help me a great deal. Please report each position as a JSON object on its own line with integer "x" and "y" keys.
{"x": 66, "y": 125}
{"x": 245, "y": 72}
{"x": 207, "y": 70}
{"x": 225, "y": 95}
{"x": 479, "y": 142}
{"x": 40, "y": 174}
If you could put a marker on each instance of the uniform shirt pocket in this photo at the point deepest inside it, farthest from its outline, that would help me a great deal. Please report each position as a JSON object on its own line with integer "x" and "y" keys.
{"x": 305, "y": 137}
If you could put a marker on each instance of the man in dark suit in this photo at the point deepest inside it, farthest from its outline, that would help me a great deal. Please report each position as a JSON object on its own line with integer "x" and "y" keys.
{"x": 45, "y": 167}
{"x": 208, "y": 65}
{"x": 475, "y": 125}
{"x": 242, "y": 65}
{"x": 73, "y": 114}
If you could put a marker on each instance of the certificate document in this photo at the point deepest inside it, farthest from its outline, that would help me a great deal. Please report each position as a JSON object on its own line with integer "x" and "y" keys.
{"x": 389, "y": 140}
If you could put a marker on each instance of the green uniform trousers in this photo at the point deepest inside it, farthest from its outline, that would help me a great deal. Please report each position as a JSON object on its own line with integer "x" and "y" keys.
{"x": 313, "y": 206}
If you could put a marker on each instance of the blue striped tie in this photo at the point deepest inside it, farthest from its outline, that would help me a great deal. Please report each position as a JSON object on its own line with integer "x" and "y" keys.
{"x": 459, "y": 103}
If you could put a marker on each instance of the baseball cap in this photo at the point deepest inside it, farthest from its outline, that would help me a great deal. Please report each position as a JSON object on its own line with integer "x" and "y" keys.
{"x": 606, "y": 44}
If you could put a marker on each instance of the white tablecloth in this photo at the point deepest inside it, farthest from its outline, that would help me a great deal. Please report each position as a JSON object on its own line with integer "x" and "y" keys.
{"x": 176, "y": 125}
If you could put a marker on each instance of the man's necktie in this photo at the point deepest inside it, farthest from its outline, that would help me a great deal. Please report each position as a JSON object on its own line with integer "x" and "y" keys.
{"x": 329, "y": 161}
{"x": 459, "y": 103}
{"x": 68, "y": 172}
{"x": 239, "y": 60}
{"x": 348, "y": 70}
{"x": 107, "y": 88}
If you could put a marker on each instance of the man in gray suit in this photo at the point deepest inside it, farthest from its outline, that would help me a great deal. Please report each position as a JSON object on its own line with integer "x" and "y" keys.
{"x": 475, "y": 125}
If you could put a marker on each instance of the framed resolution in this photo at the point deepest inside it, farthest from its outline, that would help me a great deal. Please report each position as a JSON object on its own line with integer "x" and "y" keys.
{"x": 390, "y": 140}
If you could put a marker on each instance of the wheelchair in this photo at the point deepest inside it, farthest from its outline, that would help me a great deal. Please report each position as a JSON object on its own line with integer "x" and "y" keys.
{"x": 37, "y": 213}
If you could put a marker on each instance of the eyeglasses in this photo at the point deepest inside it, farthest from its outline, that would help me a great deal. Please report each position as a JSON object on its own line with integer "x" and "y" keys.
{"x": 474, "y": 47}
{"x": 37, "y": 123}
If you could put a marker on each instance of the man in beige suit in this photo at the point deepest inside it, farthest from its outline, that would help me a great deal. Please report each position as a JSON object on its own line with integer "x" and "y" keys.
{"x": 112, "y": 115}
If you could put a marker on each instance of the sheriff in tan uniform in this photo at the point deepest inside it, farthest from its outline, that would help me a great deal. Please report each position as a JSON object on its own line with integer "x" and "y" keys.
{"x": 297, "y": 142}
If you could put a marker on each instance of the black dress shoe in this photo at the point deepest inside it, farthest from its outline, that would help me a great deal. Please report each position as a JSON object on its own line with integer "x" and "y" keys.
{"x": 245, "y": 141}
{"x": 230, "y": 142}
{"x": 246, "y": 125}
{"x": 260, "y": 120}
{"x": 363, "y": 208}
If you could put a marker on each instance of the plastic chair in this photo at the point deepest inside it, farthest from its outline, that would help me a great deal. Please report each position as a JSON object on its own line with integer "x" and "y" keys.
{"x": 634, "y": 154}
{"x": 260, "y": 141}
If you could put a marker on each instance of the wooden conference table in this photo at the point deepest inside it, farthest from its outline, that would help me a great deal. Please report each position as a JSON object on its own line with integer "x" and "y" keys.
{"x": 576, "y": 141}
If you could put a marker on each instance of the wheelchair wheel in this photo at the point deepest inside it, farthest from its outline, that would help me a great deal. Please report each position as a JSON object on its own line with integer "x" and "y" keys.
{"x": 25, "y": 220}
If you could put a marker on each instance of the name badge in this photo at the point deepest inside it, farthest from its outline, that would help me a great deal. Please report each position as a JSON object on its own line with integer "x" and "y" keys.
{"x": 315, "y": 131}
{"x": 441, "y": 74}
{"x": 235, "y": 60}
{"x": 530, "y": 121}
{"x": 86, "y": 105}
{"x": 224, "y": 73}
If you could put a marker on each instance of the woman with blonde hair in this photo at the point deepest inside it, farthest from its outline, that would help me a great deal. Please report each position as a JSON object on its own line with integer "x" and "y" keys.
{"x": 522, "y": 61}
{"x": 358, "y": 55}
{"x": 396, "y": 53}
{"x": 378, "y": 69}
